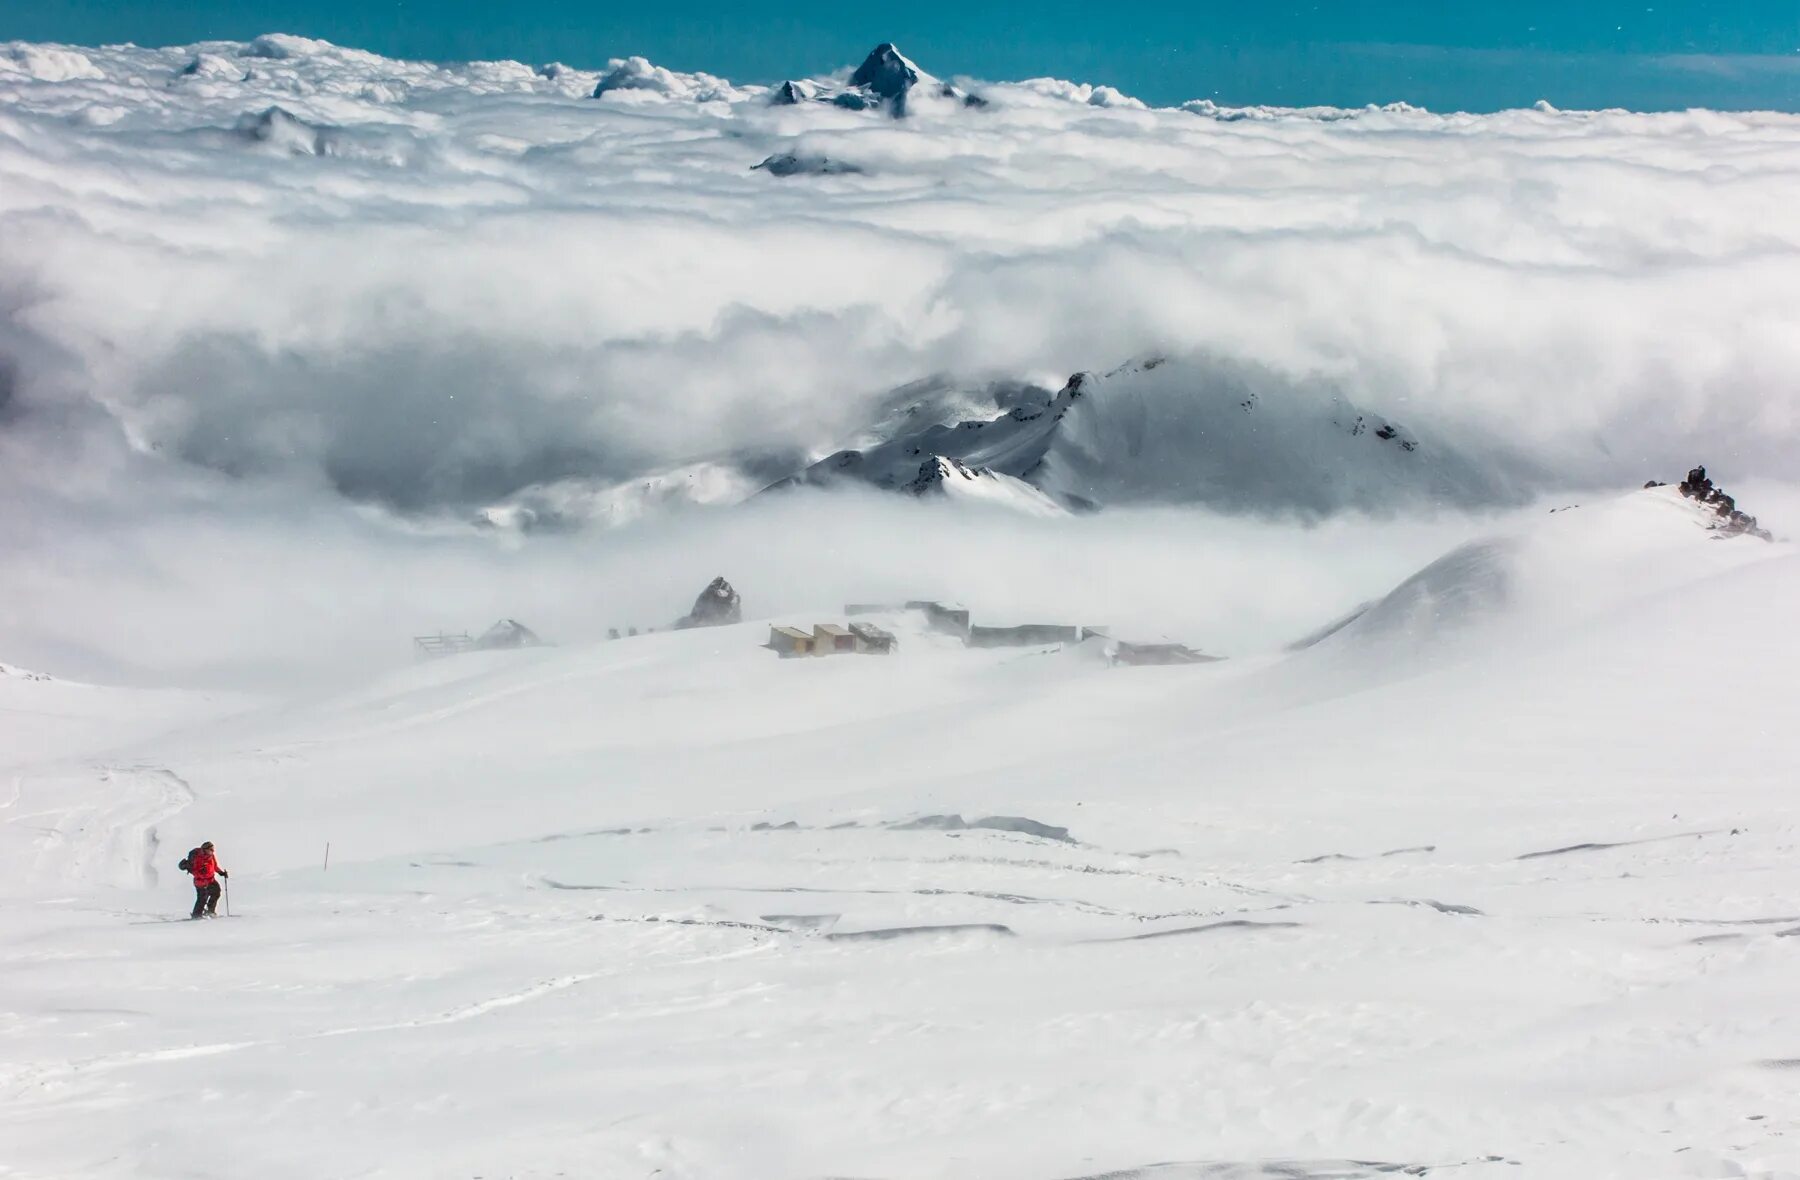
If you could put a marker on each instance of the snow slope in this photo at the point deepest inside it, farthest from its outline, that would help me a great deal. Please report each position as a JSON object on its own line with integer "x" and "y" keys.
{"x": 1199, "y": 430}
{"x": 1492, "y": 882}
{"x": 960, "y": 483}
{"x": 43, "y": 717}
{"x": 1184, "y": 430}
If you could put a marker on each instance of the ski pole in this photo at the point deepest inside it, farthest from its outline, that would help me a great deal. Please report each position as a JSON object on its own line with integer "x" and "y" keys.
{"x": 228, "y": 897}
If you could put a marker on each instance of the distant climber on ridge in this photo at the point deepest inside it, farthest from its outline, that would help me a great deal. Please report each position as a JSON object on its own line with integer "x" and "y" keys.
{"x": 203, "y": 866}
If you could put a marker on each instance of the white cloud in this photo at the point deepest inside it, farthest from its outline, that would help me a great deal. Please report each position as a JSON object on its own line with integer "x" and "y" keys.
{"x": 473, "y": 280}
{"x": 46, "y": 63}
{"x": 632, "y": 77}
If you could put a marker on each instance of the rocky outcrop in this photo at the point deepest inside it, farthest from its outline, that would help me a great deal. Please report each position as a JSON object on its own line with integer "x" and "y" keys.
{"x": 717, "y": 606}
{"x": 788, "y": 164}
{"x": 943, "y": 478}
{"x": 1732, "y": 522}
{"x": 936, "y": 470}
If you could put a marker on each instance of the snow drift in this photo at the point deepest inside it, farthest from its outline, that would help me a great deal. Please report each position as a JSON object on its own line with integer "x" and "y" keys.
{"x": 1575, "y": 568}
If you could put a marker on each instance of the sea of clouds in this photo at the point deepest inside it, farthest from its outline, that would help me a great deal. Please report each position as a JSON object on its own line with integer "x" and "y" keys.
{"x": 278, "y": 318}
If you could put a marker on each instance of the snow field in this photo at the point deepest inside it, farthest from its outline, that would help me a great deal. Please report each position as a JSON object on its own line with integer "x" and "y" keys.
{"x": 1517, "y": 901}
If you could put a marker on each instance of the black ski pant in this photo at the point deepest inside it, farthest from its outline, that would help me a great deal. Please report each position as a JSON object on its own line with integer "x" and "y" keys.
{"x": 206, "y": 898}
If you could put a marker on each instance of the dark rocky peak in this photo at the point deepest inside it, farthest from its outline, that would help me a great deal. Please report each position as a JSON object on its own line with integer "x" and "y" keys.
{"x": 717, "y": 606}
{"x": 886, "y": 72}
{"x": 792, "y": 94}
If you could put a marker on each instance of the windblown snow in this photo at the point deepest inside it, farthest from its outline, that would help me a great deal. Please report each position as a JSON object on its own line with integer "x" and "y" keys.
{"x": 1235, "y": 708}
{"x": 1496, "y": 881}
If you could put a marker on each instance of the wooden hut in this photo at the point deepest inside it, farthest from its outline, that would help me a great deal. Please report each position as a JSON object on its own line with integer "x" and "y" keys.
{"x": 790, "y": 641}
{"x": 829, "y": 639}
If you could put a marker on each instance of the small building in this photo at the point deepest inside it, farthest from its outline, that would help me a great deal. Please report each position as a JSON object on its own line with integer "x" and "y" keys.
{"x": 829, "y": 639}
{"x": 872, "y": 640}
{"x": 444, "y": 643}
{"x": 951, "y": 620}
{"x": 1029, "y": 635}
{"x": 1149, "y": 654}
{"x": 868, "y": 608}
{"x": 788, "y": 642}
{"x": 506, "y": 634}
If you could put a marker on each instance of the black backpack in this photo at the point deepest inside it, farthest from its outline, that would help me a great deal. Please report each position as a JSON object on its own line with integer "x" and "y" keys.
{"x": 192, "y": 853}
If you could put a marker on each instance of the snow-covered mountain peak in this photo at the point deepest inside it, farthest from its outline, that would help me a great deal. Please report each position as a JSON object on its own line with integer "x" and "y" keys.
{"x": 949, "y": 478}
{"x": 8, "y": 671}
{"x": 887, "y": 72}
{"x": 887, "y": 80}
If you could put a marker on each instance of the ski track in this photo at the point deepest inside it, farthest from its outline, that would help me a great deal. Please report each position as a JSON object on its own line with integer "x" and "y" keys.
{"x": 109, "y": 831}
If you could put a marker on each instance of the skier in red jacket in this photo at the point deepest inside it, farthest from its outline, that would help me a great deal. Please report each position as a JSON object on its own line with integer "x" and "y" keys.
{"x": 204, "y": 867}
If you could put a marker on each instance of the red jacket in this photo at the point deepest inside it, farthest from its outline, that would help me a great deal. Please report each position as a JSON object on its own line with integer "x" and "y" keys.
{"x": 204, "y": 866}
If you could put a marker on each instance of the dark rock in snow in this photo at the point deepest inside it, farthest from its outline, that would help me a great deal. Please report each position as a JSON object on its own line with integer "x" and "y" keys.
{"x": 792, "y": 165}
{"x": 992, "y": 823}
{"x": 1699, "y": 487}
{"x": 918, "y": 931}
{"x": 1383, "y": 429}
{"x": 935, "y": 470}
{"x": 933, "y": 823}
{"x": 717, "y": 606}
{"x": 791, "y": 94}
{"x": 1025, "y": 827}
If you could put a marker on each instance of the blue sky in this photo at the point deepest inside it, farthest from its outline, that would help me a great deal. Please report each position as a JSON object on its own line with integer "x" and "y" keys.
{"x": 1447, "y": 54}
